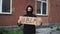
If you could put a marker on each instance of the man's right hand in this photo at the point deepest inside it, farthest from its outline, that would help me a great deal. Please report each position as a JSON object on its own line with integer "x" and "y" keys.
{"x": 19, "y": 24}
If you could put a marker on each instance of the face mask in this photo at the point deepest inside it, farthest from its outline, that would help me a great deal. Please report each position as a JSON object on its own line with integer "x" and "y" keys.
{"x": 29, "y": 12}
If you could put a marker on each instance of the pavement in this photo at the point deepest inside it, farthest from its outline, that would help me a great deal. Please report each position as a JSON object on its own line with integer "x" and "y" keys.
{"x": 43, "y": 31}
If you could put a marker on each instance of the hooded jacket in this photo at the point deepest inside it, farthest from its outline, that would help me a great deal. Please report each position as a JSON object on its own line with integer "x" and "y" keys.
{"x": 29, "y": 13}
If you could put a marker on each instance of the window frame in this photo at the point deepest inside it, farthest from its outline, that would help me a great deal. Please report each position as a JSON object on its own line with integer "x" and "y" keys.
{"x": 42, "y": 7}
{"x": 10, "y": 8}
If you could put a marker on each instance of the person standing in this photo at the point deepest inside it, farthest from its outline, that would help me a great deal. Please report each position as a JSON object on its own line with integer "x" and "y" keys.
{"x": 28, "y": 28}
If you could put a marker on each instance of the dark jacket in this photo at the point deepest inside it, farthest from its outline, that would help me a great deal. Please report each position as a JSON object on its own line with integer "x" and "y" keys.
{"x": 28, "y": 13}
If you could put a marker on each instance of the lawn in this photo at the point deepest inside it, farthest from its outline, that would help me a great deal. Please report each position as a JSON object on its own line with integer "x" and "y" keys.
{"x": 11, "y": 30}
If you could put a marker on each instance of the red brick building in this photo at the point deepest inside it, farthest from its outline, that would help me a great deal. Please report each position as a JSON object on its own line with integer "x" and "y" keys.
{"x": 49, "y": 11}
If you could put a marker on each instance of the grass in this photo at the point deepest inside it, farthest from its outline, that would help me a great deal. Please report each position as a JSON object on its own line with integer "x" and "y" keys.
{"x": 58, "y": 29}
{"x": 11, "y": 31}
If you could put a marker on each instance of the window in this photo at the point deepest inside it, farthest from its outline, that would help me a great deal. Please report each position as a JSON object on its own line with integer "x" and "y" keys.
{"x": 42, "y": 7}
{"x": 5, "y": 6}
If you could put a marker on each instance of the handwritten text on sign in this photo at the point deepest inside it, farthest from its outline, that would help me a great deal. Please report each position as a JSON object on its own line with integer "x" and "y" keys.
{"x": 29, "y": 20}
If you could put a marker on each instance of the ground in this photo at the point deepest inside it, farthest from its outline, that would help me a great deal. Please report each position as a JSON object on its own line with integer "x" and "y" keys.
{"x": 39, "y": 30}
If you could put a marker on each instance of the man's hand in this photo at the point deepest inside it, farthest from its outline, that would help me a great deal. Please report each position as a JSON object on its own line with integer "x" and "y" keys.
{"x": 19, "y": 22}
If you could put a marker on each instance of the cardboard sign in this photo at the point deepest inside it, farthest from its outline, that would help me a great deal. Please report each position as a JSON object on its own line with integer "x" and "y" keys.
{"x": 29, "y": 20}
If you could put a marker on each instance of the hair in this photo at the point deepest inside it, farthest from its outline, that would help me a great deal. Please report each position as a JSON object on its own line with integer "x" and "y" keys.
{"x": 29, "y": 6}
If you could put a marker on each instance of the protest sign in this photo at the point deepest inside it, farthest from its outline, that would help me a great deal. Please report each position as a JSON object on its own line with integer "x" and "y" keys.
{"x": 29, "y": 20}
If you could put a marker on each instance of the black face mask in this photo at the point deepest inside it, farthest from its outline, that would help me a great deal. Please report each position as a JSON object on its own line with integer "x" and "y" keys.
{"x": 29, "y": 13}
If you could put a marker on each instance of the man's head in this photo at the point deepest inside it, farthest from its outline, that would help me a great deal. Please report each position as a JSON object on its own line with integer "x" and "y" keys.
{"x": 29, "y": 11}
{"x": 29, "y": 8}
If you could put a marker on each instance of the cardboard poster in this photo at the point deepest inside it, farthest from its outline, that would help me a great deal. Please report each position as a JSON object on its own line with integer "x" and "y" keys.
{"x": 29, "y": 20}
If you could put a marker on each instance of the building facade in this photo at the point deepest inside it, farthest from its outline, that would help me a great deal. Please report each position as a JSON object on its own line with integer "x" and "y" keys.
{"x": 47, "y": 10}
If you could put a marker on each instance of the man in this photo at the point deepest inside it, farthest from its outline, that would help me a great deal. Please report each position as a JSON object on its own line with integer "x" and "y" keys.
{"x": 29, "y": 29}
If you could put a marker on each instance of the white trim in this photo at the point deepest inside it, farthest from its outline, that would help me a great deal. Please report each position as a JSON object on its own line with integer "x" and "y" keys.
{"x": 0, "y": 6}
{"x": 47, "y": 7}
{"x": 42, "y": 7}
{"x": 38, "y": 0}
{"x": 41, "y": 14}
{"x": 10, "y": 9}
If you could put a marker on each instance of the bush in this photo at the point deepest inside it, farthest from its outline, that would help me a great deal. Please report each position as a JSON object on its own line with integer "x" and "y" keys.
{"x": 3, "y": 31}
{"x": 11, "y": 31}
{"x": 58, "y": 29}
